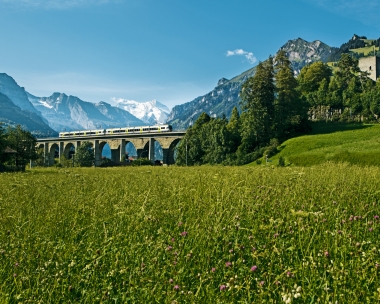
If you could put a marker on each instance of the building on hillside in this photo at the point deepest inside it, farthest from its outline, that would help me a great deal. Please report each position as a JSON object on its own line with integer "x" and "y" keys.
{"x": 371, "y": 65}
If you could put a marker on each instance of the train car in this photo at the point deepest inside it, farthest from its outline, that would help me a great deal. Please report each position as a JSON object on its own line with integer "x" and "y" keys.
{"x": 82, "y": 133}
{"x": 136, "y": 130}
{"x": 118, "y": 131}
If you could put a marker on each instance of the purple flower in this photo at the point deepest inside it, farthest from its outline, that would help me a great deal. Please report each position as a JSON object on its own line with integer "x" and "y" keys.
{"x": 180, "y": 224}
{"x": 376, "y": 217}
{"x": 222, "y": 287}
{"x": 289, "y": 274}
{"x": 276, "y": 235}
{"x": 231, "y": 250}
{"x": 254, "y": 268}
{"x": 15, "y": 274}
{"x": 173, "y": 239}
{"x": 351, "y": 218}
{"x": 184, "y": 233}
{"x": 176, "y": 287}
{"x": 213, "y": 269}
{"x": 377, "y": 265}
{"x": 228, "y": 264}
{"x": 326, "y": 254}
{"x": 261, "y": 283}
{"x": 277, "y": 283}
{"x": 169, "y": 248}
{"x": 174, "y": 262}
{"x": 370, "y": 229}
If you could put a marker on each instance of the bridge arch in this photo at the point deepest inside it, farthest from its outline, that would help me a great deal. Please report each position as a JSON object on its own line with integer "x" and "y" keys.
{"x": 53, "y": 153}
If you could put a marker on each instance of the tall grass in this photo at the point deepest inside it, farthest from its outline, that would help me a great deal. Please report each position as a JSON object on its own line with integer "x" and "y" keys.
{"x": 190, "y": 235}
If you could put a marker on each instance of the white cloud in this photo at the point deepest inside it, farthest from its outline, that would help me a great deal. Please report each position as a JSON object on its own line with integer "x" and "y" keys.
{"x": 240, "y": 52}
{"x": 54, "y": 4}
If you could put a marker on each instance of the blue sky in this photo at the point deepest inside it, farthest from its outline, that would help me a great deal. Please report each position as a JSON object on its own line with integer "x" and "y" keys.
{"x": 169, "y": 50}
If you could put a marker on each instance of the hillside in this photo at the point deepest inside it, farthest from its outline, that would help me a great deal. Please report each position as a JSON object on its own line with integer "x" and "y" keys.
{"x": 357, "y": 144}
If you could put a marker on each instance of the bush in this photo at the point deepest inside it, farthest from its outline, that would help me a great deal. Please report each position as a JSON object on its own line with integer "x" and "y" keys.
{"x": 142, "y": 162}
{"x": 281, "y": 161}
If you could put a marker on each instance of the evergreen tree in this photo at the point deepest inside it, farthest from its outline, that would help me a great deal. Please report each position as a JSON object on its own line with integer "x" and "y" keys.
{"x": 287, "y": 104}
{"x": 84, "y": 155}
{"x": 257, "y": 96}
{"x": 234, "y": 129}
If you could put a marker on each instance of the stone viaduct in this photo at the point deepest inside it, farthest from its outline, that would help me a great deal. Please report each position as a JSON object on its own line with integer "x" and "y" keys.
{"x": 143, "y": 142}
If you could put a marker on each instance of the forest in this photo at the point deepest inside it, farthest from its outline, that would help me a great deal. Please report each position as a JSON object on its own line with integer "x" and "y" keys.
{"x": 277, "y": 106}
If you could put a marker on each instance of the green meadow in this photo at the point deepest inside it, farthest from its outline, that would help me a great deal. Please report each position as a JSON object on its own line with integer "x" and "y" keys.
{"x": 356, "y": 144}
{"x": 193, "y": 235}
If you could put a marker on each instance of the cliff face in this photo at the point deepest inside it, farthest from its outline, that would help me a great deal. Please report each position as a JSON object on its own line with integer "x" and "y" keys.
{"x": 12, "y": 115}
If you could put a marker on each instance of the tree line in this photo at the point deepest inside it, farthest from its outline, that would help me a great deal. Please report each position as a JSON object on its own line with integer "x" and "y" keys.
{"x": 277, "y": 106}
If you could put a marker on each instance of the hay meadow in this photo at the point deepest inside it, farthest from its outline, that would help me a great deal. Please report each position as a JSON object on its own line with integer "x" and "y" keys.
{"x": 191, "y": 235}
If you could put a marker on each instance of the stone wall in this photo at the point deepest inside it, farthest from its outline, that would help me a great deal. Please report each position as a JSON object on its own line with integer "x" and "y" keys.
{"x": 371, "y": 65}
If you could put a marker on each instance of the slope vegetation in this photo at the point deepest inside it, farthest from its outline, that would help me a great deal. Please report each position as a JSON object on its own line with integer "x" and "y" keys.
{"x": 357, "y": 144}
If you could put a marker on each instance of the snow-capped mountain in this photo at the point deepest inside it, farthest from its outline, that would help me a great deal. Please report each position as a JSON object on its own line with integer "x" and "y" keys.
{"x": 68, "y": 113}
{"x": 150, "y": 112}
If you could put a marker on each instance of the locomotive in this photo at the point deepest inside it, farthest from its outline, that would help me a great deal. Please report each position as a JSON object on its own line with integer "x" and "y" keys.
{"x": 118, "y": 131}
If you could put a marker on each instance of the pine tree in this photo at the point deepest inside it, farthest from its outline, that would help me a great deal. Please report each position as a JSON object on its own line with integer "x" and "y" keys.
{"x": 234, "y": 129}
{"x": 257, "y": 96}
{"x": 288, "y": 99}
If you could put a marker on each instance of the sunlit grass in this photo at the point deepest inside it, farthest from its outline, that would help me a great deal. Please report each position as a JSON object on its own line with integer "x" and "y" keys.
{"x": 191, "y": 235}
{"x": 351, "y": 143}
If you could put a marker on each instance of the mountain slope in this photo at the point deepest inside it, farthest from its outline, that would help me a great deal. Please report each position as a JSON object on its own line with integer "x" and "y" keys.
{"x": 65, "y": 112}
{"x": 12, "y": 115}
{"x": 225, "y": 96}
{"x": 17, "y": 94}
{"x": 151, "y": 112}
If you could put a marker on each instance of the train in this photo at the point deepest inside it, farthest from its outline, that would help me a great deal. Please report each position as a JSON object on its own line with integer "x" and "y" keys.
{"x": 118, "y": 131}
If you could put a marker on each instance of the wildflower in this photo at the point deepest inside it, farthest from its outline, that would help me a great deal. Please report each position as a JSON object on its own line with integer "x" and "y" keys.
{"x": 376, "y": 217}
{"x": 242, "y": 247}
{"x": 184, "y": 233}
{"x": 213, "y": 269}
{"x": 231, "y": 250}
{"x": 377, "y": 265}
{"x": 173, "y": 239}
{"x": 253, "y": 249}
{"x": 276, "y": 235}
{"x": 297, "y": 295}
{"x": 17, "y": 264}
{"x": 15, "y": 275}
{"x": 228, "y": 264}
{"x": 171, "y": 281}
{"x": 351, "y": 218}
{"x": 289, "y": 274}
{"x": 339, "y": 231}
{"x": 2, "y": 251}
{"x": 175, "y": 263}
{"x": 262, "y": 283}
{"x": 326, "y": 254}
{"x": 250, "y": 237}
{"x": 169, "y": 248}
{"x": 254, "y": 268}
{"x": 370, "y": 229}
{"x": 176, "y": 287}
{"x": 277, "y": 283}
{"x": 180, "y": 224}
{"x": 222, "y": 287}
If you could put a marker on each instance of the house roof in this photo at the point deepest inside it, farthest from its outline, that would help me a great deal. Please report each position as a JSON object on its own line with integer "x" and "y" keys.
{"x": 9, "y": 151}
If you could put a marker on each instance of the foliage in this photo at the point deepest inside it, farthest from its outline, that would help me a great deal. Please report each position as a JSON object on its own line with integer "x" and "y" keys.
{"x": 142, "y": 162}
{"x": 191, "y": 235}
{"x": 84, "y": 156}
{"x": 24, "y": 143}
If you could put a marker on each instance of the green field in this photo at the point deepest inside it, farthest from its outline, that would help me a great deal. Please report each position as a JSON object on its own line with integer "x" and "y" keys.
{"x": 357, "y": 144}
{"x": 191, "y": 235}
